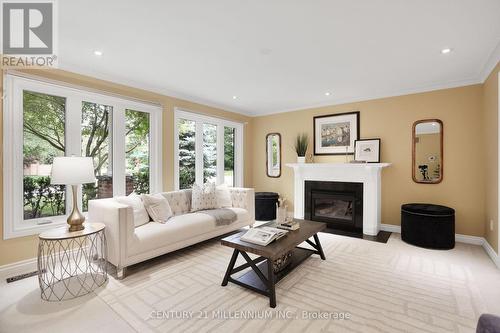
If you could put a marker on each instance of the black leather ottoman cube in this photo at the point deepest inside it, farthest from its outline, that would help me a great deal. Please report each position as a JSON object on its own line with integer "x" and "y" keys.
{"x": 427, "y": 225}
{"x": 265, "y": 205}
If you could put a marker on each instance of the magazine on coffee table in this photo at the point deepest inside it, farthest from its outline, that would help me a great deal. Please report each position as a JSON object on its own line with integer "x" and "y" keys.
{"x": 263, "y": 235}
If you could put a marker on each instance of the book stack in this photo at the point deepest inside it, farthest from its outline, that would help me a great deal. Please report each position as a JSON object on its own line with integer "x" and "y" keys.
{"x": 263, "y": 235}
{"x": 289, "y": 225}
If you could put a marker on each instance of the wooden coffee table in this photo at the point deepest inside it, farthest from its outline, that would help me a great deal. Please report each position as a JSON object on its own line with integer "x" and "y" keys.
{"x": 262, "y": 278}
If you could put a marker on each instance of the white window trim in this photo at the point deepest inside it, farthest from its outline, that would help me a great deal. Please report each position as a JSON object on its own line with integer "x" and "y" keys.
{"x": 13, "y": 219}
{"x": 238, "y": 146}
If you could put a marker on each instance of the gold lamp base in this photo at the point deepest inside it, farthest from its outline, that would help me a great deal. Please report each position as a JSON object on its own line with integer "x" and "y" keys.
{"x": 75, "y": 219}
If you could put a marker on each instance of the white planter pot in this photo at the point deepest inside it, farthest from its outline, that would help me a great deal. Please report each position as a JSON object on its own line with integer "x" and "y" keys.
{"x": 301, "y": 159}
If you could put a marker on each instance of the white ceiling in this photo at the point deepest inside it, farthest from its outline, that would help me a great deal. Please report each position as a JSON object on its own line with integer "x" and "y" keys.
{"x": 280, "y": 55}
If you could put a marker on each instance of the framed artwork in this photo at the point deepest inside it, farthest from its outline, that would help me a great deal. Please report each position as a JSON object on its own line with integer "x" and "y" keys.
{"x": 335, "y": 134}
{"x": 367, "y": 150}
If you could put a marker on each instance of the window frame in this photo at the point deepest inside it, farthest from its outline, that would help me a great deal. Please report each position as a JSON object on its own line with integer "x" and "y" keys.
{"x": 199, "y": 119}
{"x": 14, "y": 224}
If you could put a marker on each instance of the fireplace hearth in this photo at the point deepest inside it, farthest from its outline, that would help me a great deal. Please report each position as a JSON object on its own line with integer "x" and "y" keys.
{"x": 339, "y": 204}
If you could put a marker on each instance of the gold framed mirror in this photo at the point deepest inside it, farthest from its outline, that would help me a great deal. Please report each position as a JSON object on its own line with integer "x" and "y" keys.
{"x": 273, "y": 155}
{"x": 427, "y": 153}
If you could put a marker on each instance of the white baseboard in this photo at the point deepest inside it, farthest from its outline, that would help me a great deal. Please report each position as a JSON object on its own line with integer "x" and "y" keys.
{"x": 493, "y": 255}
{"x": 23, "y": 266}
{"x": 391, "y": 228}
{"x": 475, "y": 240}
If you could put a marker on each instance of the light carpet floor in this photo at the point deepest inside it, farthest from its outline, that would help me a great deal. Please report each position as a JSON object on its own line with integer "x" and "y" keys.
{"x": 391, "y": 287}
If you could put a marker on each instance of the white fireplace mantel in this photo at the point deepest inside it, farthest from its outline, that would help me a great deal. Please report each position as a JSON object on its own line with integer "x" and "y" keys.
{"x": 367, "y": 173}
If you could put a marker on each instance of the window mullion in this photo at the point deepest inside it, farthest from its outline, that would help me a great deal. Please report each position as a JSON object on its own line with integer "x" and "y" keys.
{"x": 199, "y": 152}
{"x": 118, "y": 150}
{"x": 73, "y": 139}
{"x": 238, "y": 156}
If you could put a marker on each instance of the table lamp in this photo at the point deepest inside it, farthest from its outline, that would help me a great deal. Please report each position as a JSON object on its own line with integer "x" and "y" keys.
{"x": 73, "y": 171}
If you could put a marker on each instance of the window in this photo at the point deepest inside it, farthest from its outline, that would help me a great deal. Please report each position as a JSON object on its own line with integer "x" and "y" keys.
{"x": 96, "y": 143}
{"x": 209, "y": 153}
{"x": 137, "y": 152}
{"x": 186, "y": 153}
{"x": 43, "y": 139}
{"x": 207, "y": 149}
{"x": 43, "y": 120}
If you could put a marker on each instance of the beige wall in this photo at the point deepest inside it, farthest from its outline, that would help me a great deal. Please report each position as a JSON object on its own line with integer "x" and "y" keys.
{"x": 13, "y": 250}
{"x": 490, "y": 114}
{"x": 391, "y": 120}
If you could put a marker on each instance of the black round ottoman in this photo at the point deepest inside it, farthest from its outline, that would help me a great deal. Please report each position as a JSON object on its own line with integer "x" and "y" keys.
{"x": 265, "y": 205}
{"x": 426, "y": 225}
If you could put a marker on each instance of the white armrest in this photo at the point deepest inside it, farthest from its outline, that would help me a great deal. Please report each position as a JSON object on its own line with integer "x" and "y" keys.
{"x": 243, "y": 198}
{"x": 119, "y": 221}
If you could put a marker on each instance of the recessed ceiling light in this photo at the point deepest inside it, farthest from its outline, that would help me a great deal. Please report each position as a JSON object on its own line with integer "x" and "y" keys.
{"x": 446, "y": 51}
{"x": 235, "y": 97}
{"x": 98, "y": 53}
{"x": 328, "y": 93}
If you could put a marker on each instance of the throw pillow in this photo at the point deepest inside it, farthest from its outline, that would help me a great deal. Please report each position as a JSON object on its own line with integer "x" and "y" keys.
{"x": 203, "y": 197}
{"x": 158, "y": 207}
{"x": 140, "y": 214}
{"x": 223, "y": 197}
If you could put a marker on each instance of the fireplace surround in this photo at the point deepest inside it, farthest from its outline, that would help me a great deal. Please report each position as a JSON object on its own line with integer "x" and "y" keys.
{"x": 369, "y": 174}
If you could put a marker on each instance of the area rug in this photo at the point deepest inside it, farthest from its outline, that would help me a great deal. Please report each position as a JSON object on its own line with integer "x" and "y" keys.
{"x": 362, "y": 286}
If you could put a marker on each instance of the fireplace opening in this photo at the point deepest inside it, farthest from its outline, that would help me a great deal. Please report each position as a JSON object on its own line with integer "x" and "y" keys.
{"x": 334, "y": 207}
{"x": 339, "y": 204}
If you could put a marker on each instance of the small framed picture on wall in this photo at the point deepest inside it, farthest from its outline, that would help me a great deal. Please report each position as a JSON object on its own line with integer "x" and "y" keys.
{"x": 367, "y": 150}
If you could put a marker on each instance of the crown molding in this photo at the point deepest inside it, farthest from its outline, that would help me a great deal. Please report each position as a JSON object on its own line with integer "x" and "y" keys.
{"x": 364, "y": 98}
{"x": 149, "y": 88}
{"x": 490, "y": 64}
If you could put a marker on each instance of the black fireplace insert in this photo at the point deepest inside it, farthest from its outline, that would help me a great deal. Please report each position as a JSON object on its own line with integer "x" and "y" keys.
{"x": 339, "y": 204}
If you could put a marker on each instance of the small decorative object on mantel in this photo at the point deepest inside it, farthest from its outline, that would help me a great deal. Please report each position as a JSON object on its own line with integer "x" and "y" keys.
{"x": 301, "y": 143}
{"x": 335, "y": 134}
{"x": 367, "y": 150}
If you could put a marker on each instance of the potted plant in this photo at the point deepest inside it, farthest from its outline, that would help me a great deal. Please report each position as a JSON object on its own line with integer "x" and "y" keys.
{"x": 301, "y": 143}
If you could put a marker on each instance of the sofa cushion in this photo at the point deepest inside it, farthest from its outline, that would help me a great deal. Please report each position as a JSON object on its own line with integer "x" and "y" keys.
{"x": 141, "y": 216}
{"x": 179, "y": 201}
{"x": 157, "y": 207}
{"x": 203, "y": 197}
{"x": 181, "y": 227}
{"x": 223, "y": 196}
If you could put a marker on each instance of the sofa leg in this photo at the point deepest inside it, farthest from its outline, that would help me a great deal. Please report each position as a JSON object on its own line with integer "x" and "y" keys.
{"x": 121, "y": 272}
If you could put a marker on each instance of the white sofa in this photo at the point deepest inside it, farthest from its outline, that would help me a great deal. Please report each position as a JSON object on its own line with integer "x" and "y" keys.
{"x": 128, "y": 245}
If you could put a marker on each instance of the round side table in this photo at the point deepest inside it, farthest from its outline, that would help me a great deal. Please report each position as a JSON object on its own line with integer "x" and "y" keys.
{"x": 71, "y": 264}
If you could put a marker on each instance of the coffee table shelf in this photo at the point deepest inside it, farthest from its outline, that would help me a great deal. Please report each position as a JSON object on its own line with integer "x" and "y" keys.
{"x": 252, "y": 279}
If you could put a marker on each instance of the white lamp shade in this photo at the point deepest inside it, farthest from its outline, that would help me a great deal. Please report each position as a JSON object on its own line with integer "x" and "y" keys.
{"x": 72, "y": 170}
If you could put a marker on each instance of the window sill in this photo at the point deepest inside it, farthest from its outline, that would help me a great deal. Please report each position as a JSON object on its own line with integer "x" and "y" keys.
{"x": 31, "y": 227}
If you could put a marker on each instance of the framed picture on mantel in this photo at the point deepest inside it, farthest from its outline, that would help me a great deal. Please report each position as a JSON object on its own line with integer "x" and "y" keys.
{"x": 335, "y": 134}
{"x": 367, "y": 150}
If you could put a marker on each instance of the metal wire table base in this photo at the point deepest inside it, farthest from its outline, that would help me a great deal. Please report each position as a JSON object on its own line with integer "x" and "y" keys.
{"x": 72, "y": 267}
